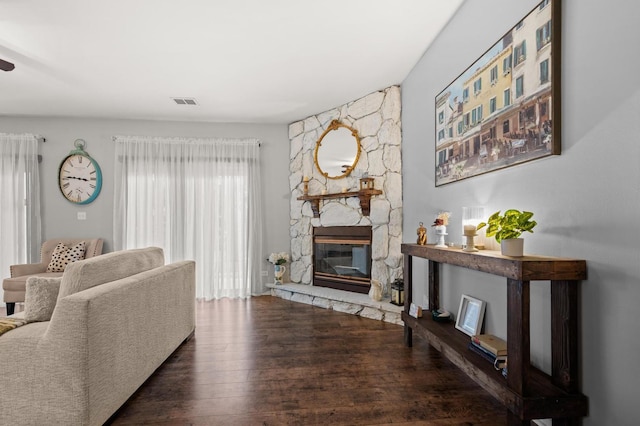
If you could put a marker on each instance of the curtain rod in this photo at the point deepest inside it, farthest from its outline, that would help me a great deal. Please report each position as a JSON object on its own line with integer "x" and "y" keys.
{"x": 114, "y": 138}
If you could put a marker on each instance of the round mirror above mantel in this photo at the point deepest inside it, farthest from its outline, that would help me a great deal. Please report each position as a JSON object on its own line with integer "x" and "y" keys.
{"x": 337, "y": 151}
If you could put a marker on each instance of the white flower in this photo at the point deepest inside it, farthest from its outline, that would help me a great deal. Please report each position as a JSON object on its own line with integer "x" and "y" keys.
{"x": 442, "y": 219}
{"x": 278, "y": 258}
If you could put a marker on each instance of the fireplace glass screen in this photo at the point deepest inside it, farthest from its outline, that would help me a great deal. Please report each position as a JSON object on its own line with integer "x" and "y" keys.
{"x": 342, "y": 258}
{"x": 343, "y": 261}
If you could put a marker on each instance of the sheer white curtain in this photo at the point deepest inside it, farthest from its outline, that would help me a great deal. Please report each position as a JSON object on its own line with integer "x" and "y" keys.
{"x": 20, "y": 229}
{"x": 198, "y": 199}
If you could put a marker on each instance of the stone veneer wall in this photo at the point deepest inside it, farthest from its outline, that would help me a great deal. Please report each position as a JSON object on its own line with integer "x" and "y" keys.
{"x": 376, "y": 117}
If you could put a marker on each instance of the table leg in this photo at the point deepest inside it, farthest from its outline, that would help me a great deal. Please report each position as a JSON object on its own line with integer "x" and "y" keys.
{"x": 564, "y": 335}
{"x": 408, "y": 296}
{"x": 434, "y": 285}
{"x": 518, "y": 343}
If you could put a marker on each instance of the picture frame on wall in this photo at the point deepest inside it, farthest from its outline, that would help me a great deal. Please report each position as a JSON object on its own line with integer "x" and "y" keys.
{"x": 470, "y": 315}
{"x": 504, "y": 109}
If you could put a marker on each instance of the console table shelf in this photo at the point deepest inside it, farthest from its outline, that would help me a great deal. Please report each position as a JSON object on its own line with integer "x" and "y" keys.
{"x": 364, "y": 195}
{"x": 527, "y": 392}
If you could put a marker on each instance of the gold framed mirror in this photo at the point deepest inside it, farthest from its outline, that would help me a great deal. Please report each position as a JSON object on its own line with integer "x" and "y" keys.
{"x": 337, "y": 151}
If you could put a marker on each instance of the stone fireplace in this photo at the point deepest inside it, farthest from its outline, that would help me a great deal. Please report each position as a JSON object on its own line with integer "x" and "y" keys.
{"x": 376, "y": 117}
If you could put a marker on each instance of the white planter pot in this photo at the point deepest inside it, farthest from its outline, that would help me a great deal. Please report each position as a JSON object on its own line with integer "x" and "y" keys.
{"x": 512, "y": 247}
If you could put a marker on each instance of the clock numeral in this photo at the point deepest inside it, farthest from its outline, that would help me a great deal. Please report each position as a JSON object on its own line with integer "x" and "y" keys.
{"x": 66, "y": 185}
{"x": 69, "y": 193}
{"x": 93, "y": 172}
{"x": 93, "y": 178}
{"x": 92, "y": 185}
{"x": 80, "y": 159}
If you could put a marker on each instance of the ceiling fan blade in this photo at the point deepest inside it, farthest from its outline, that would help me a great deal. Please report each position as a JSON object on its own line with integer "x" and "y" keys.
{"x": 6, "y": 66}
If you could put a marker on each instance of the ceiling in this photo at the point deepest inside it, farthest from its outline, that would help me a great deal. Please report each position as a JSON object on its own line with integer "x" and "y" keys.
{"x": 255, "y": 61}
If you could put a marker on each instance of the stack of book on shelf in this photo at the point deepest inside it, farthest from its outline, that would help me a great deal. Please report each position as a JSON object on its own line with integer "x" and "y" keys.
{"x": 491, "y": 348}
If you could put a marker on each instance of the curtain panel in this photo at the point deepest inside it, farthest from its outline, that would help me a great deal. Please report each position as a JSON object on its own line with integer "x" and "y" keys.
{"x": 198, "y": 199}
{"x": 20, "y": 222}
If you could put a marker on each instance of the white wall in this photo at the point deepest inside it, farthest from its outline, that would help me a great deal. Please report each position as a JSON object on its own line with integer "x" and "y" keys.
{"x": 586, "y": 201}
{"x": 59, "y": 217}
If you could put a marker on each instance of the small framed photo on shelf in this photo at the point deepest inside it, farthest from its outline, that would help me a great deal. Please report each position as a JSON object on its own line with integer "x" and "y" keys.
{"x": 415, "y": 311}
{"x": 470, "y": 315}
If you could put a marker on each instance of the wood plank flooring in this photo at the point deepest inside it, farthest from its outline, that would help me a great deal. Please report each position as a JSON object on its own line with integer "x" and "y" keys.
{"x": 268, "y": 361}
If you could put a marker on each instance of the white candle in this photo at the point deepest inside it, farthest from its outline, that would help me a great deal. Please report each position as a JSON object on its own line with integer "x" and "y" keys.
{"x": 306, "y": 178}
{"x": 469, "y": 230}
{"x": 324, "y": 192}
{"x": 344, "y": 189}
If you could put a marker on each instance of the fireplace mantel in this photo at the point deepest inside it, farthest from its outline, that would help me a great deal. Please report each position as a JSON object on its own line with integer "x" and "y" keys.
{"x": 364, "y": 195}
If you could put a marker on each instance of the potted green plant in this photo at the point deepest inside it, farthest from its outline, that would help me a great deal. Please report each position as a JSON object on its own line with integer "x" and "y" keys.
{"x": 507, "y": 228}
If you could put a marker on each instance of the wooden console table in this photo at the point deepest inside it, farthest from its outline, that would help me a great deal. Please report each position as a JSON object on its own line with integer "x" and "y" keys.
{"x": 527, "y": 392}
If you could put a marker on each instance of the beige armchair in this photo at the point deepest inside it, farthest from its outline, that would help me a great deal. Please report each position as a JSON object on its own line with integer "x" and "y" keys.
{"x": 15, "y": 287}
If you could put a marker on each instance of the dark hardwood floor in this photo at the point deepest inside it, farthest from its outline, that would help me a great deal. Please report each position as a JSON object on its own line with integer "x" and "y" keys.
{"x": 268, "y": 361}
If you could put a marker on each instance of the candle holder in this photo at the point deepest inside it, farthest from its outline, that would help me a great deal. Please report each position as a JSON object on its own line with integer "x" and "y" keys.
{"x": 366, "y": 183}
{"x": 470, "y": 245}
{"x": 471, "y": 217}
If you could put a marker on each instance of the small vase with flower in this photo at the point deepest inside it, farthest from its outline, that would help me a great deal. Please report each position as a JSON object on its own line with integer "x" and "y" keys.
{"x": 440, "y": 224}
{"x": 278, "y": 260}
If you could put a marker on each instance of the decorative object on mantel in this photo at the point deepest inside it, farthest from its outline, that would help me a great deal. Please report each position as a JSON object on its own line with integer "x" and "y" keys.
{"x": 441, "y": 222}
{"x": 506, "y": 229}
{"x": 366, "y": 182}
{"x": 375, "y": 292}
{"x": 305, "y": 182}
{"x": 278, "y": 260}
{"x": 422, "y": 235}
{"x": 471, "y": 218}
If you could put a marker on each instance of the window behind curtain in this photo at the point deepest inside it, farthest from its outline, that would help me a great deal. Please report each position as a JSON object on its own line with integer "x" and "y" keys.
{"x": 20, "y": 228}
{"x": 197, "y": 199}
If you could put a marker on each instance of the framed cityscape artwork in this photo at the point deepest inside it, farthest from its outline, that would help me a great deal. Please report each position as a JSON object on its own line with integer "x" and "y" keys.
{"x": 505, "y": 108}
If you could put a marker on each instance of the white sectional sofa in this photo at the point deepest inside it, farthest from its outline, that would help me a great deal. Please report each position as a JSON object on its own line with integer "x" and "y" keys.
{"x": 117, "y": 317}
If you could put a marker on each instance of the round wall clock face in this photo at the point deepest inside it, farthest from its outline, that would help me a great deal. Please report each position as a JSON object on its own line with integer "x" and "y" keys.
{"x": 80, "y": 178}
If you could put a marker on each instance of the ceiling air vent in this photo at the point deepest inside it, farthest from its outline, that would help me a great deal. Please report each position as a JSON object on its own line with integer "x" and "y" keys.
{"x": 185, "y": 101}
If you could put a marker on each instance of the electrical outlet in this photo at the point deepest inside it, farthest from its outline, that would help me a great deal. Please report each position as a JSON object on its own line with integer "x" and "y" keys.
{"x": 82, "y": 215}
{"x": 265, "y": 273}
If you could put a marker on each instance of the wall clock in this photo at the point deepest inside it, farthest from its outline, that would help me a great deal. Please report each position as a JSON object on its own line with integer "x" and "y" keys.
{"x": 79, "y": 176}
